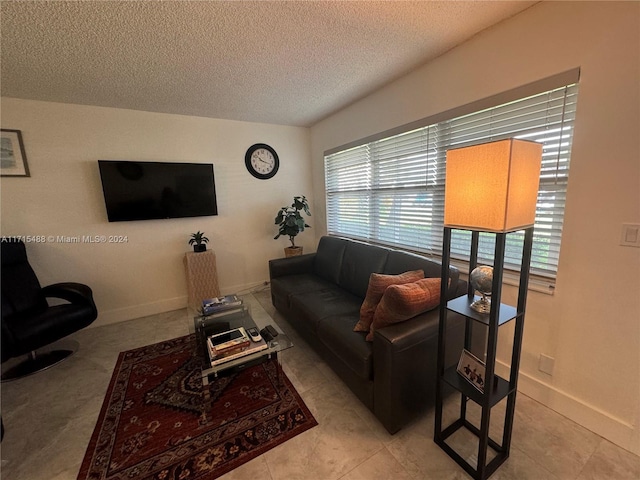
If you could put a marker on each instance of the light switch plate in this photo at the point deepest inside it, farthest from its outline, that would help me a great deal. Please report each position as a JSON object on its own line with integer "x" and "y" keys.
{"x": 630, "y": 236}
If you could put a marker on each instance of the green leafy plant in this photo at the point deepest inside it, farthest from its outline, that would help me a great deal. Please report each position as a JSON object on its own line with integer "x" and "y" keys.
{"x": 290, "y": 221}
{"x": 198, "y": 238}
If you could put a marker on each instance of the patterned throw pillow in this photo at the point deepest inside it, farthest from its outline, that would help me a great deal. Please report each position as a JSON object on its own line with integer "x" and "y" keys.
{"x": 402, "y": 302}
{"x": 378, "y": 283}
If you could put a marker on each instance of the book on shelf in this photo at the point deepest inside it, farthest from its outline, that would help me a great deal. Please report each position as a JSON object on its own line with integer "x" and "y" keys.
{"x": 220, "y": 304}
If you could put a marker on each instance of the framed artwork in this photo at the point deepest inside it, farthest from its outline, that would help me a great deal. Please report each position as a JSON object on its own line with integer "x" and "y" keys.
{"x": 472, "y": 369}
{"x": 13, "y": 160}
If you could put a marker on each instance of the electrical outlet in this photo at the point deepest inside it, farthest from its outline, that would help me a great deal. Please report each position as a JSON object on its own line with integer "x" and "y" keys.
{"x": 545, "y": 364}
{"x": 630, "y": 236}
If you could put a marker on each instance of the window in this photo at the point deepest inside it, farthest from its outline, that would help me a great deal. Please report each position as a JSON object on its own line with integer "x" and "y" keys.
{"x": 390, "y": 190}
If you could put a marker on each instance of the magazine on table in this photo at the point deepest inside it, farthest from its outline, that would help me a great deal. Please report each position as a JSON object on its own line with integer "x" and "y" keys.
{"x": 220, "y": 304}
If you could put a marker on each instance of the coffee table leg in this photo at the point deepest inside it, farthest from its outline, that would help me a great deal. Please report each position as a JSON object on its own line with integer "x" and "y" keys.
{"x": 278, "y": 365}
{"x": 205, "y": 419}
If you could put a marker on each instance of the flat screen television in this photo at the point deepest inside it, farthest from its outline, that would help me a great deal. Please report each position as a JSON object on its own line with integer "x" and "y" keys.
{"x": 155, "y": 190}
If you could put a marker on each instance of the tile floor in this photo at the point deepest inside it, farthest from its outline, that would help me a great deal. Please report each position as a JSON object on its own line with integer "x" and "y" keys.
{"x": 49, "y": 418}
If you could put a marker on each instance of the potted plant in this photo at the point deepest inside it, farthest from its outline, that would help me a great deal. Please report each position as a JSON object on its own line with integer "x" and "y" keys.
{"x": 199, "y": 241}
{"x": 290, "y": 223}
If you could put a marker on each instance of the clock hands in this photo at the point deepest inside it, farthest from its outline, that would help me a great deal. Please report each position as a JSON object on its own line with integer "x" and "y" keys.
{"x": 263, "y": 160}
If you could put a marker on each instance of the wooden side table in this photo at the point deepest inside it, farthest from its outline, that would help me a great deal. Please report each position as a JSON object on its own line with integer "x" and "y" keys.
{"x": 202, "y": 277}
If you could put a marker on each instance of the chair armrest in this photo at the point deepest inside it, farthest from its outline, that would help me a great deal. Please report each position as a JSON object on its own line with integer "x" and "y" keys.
{"x": 71, "y": 292}
{"x": 7, "y": 342}
{"x": 281, "y": 267}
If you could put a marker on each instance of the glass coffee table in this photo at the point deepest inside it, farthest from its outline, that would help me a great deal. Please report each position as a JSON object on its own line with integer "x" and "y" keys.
{"x": 207, "y": 325}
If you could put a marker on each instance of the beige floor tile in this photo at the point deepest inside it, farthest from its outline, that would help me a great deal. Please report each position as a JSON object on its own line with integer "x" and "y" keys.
{"x": 611, "y": 463}
{"x": 301, "y": 369}
{"x": 255, "y": 469}
{"x": 414, "y": 448}
{"x": 558, "y": 444}
{"x": 328, "y": 451}
{"x": 381, "y": 466}
{"x": 521, "y": 467}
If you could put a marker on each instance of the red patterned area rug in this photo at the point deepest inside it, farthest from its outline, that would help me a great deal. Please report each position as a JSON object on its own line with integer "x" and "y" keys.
{"x": 150, "y": 425}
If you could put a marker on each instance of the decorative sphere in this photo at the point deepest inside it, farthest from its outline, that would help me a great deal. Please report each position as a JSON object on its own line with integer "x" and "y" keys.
{"x": 481, "y": 279}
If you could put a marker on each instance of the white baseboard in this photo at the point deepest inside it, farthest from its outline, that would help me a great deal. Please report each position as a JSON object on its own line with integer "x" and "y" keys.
{"x": 117, "y": 315}
{"x": 136, "y": 311}
{"x": 590, "y": 417}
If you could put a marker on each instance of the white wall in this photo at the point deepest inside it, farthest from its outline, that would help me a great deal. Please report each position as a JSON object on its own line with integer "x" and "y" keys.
{"x": 63, "y": 197}
{"x": 591, "y": 325}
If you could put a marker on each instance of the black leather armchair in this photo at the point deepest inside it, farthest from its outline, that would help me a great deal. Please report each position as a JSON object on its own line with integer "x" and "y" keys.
{"x": 28, "y": 321}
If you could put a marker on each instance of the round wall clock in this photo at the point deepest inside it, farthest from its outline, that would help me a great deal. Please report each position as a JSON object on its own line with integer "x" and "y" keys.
{"x": 262, "y": 161}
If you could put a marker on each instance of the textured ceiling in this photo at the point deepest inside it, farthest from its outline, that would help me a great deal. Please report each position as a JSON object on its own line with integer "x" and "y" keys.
{"x": 281, "y": 62}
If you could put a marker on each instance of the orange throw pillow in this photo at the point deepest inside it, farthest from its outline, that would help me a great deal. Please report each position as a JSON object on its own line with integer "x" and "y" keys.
{"x": 378, "y": 283}
{"x": 402, "y": 302}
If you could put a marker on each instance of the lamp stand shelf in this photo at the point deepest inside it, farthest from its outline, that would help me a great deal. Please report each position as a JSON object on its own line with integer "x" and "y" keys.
{"x": 496, "y": 388}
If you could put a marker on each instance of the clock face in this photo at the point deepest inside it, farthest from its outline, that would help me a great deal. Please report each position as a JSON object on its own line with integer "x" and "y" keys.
{"x": 262, "y": 161}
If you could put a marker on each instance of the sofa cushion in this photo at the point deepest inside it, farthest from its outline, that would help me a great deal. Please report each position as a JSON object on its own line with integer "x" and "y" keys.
{"x": 402, "y": 302}
{"x": 301, "y": 283}
{"x": 350, "y": 347}
{"x": 399, "y": 261}
{"x": 378, "y": 283}
{"x": 358, "y": 263}
{"x": 311, "y": 307}
{"x": 328, "y": 259}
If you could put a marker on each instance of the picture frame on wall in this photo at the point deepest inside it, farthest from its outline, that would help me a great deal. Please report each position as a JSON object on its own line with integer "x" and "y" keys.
{"x": 472, "y": 369}
{"x": 13, "y": 160}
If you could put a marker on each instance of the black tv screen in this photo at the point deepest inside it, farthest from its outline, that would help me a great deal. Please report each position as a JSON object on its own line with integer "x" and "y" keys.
{"x": 153, "y": 190}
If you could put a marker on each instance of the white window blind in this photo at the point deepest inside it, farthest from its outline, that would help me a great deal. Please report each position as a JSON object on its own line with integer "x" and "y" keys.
{"x": 391, "y": 190}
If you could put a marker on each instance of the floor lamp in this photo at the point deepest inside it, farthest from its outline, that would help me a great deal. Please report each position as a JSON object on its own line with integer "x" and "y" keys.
{"x": 491, "y": 187}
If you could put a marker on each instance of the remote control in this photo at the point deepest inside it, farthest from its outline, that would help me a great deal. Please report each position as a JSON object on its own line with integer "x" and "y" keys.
{"x": 271, "y": 330}
{"x": 253, "y": 333}
{"x": 266, "y": 335}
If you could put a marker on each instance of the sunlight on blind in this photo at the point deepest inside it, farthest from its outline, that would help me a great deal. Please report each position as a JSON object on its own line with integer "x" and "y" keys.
{"x": 391, "y": 191}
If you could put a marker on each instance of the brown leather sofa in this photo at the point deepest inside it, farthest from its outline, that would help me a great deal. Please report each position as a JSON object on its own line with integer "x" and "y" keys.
{"x": 320, "y": 295}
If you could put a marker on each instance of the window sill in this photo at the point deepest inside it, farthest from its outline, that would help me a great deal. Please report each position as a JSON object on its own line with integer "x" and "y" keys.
{"x": 509, "y": 277}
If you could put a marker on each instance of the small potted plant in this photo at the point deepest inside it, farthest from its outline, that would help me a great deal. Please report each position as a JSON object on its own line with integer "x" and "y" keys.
{"x": 291, "y": 223}
{"x": 199, "y": 241}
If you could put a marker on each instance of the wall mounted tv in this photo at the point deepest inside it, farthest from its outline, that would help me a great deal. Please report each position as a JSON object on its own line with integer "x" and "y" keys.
{"x": 154, "y": 190}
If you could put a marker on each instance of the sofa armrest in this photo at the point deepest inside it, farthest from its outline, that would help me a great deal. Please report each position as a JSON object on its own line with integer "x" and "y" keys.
{"x": 281, "y": 267}
{"x": 457, "y": 286}
{"x": 404, "y": 364}
{"x": 458, "y": 289}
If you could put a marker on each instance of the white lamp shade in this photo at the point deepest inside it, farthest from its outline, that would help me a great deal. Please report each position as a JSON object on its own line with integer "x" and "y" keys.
{"x": 493, "y": 186}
